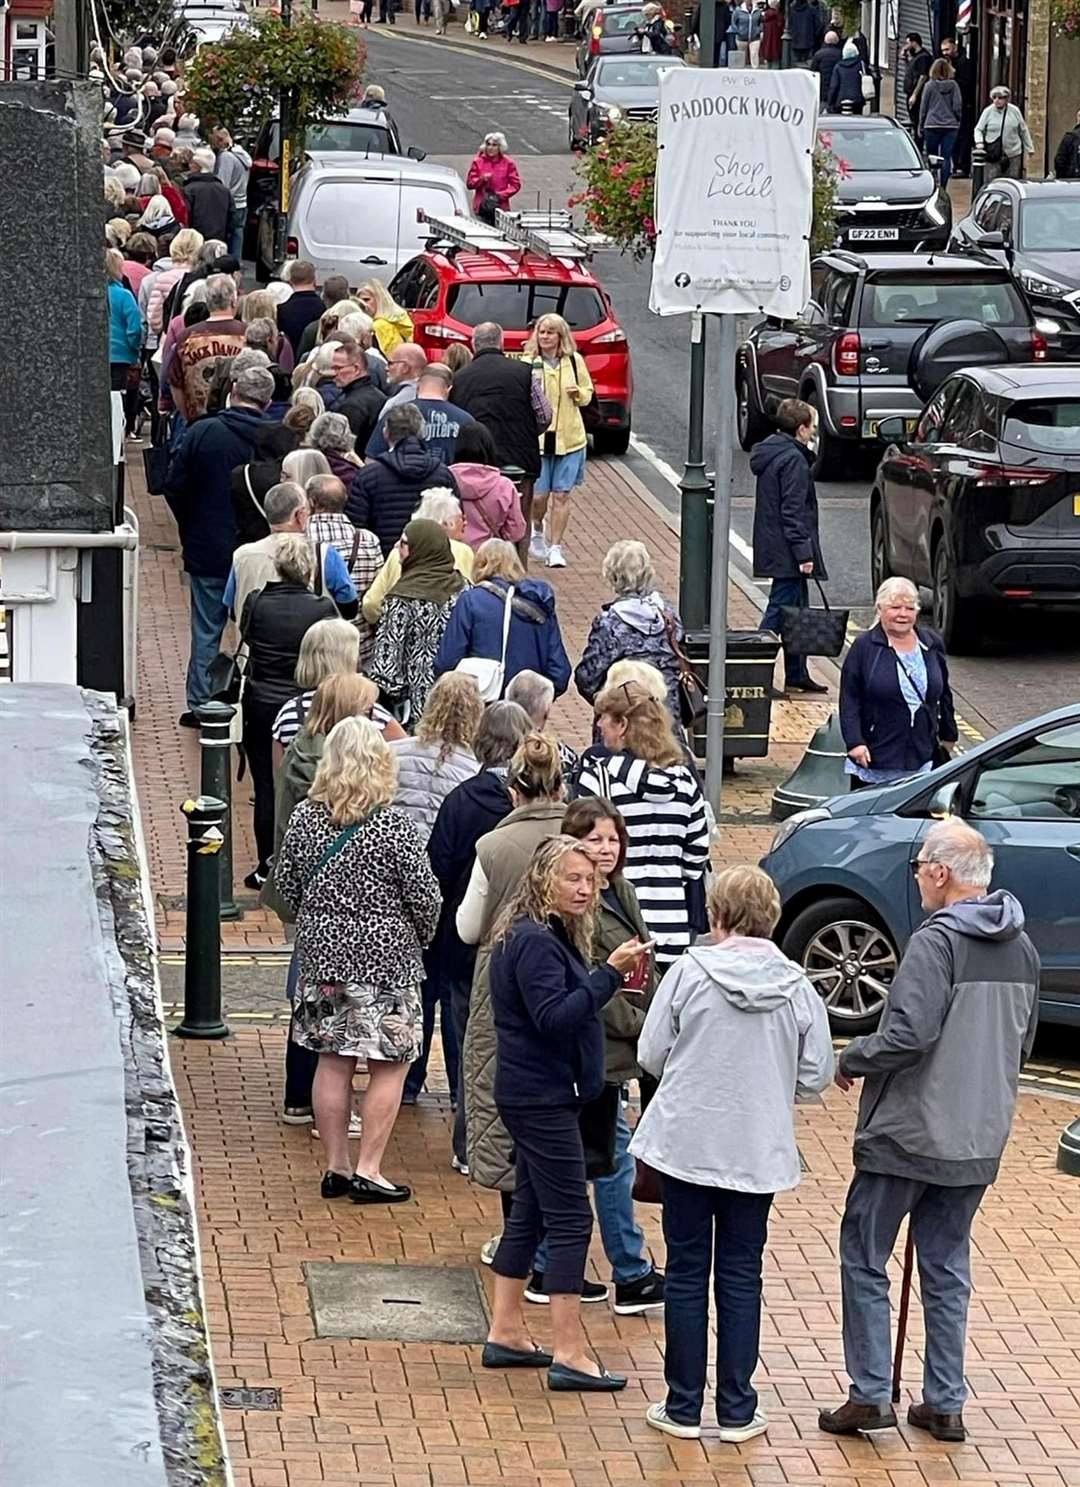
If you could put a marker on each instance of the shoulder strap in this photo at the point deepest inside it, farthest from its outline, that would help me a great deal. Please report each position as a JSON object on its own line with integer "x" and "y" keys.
{"x": 521, "y": 605}
{"x": 355, "y": 551}
{"x": 251, "y": 493}
{"x": 342, "y": 840}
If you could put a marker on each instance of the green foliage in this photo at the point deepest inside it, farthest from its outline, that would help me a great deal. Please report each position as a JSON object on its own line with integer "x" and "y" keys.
{"x": 619, "y": 178}
{"x": 238, "y": 81}
{"x": 1065, "y": 18}
{"x": 127, "y": 19}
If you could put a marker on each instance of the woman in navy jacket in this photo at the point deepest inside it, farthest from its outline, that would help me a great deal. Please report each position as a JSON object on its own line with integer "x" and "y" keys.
{"x": 549, "y": 1063}
{"x": 475, "y": 627}
{"x": 896, "y": 706}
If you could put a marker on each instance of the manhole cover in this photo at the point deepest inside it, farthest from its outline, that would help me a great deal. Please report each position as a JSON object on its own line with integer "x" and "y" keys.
{"x": 250, "y": 1399}
{"x": 397, "y": 1303}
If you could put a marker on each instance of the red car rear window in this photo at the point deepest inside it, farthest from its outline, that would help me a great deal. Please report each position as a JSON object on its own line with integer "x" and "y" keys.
{"x": 515, "y": 306}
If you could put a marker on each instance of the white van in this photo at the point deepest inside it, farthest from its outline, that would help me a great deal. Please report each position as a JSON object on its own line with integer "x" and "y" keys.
{"x": 355, "y": 214}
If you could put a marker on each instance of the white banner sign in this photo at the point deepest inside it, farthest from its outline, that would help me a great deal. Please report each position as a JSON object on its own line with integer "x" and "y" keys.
{"x": 734, "y": 191}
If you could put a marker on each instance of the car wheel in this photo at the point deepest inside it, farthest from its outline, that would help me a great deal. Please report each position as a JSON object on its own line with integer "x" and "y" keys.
{"x": 879, "y": 548}
{"x": 828, "y": 448}
{"x": 751, "y": 424}
{"x": 957, "y": 620}
{"x": 611, "y": 441}
{"x": 849, "y": 959}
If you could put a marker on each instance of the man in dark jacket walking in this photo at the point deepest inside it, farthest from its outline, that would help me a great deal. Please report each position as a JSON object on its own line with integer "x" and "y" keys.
{"x": 1067, "y": 154}
{"x": 823, "y": 62}
{"x": 209, "y": 200}
{"x": 787, "y": 546}
{"x": 198, "y": 493}
{"x": 501, "y": 394}
{"x": 941, "y": 1078}
{"x": 805, "y": 28}
{"x": 361, "y": 401}
{"x": 386, "y": 491}
{"x": 303, "y": 306}
{"x": 917, "y": 64}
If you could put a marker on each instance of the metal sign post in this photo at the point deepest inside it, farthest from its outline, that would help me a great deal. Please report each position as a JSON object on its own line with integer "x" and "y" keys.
{"x": 721, "y": 537}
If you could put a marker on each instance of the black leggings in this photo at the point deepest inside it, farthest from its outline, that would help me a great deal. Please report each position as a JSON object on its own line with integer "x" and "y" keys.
{"x": 551, "y": 1198}
{"x": 259, "y": 748}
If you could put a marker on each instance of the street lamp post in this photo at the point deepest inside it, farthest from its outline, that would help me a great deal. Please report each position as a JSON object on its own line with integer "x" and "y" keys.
{"x": 285, "y": 129}
{"x": 785, "y": 39}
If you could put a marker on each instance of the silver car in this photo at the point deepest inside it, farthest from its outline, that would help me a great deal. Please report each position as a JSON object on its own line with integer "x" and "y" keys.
{"x": 616, "y": 88}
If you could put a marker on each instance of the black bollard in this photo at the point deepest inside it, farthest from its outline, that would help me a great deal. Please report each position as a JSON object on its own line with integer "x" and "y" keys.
{"x": 978, "y": 169}
{"x": 215, "y": 719}
{"x": 202, "y": 962}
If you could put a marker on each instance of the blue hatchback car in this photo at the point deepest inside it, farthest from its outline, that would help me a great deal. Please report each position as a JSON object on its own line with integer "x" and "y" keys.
{"x": 843, "y": 869}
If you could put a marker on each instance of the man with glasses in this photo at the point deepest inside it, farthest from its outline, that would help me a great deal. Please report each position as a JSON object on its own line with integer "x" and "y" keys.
{"x": 404, "y": 369}
{"x": 941, "y": 1078}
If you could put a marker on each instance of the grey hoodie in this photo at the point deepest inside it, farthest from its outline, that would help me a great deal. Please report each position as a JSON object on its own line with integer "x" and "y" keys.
{"x": 942, "y": 1069}
{"x": 735, "y": 1031}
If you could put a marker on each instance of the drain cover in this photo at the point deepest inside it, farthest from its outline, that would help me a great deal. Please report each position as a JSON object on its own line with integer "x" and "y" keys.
{"x": 250, "y": 1399}
{"x": 397, "y": 1303}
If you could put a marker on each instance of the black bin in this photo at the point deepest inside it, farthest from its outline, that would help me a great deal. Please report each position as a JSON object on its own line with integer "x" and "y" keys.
{"x": 748, "y": 677}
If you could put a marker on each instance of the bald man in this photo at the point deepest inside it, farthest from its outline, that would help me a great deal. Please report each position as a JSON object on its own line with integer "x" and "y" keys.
{"x": 941, "y": 1077}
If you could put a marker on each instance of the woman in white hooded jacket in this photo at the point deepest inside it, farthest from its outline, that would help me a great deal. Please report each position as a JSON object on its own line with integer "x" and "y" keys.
{"x": 735, "y": 1033}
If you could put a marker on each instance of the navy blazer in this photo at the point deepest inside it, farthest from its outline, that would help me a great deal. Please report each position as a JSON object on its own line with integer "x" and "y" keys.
{"x": 546, "y": 1002}
{"x": 873, "y": 710}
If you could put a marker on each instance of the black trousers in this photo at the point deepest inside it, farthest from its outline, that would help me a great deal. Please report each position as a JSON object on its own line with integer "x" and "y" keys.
{"x": 551, "y": 1198}
{"x": 259, "y": 748}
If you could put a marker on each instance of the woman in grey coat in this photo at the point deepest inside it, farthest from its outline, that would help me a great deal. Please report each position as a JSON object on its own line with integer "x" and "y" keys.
{"x": 941, "y": 109}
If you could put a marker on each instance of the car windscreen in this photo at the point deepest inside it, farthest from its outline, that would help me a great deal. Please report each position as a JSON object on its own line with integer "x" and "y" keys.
{"x": 632, "y": 72}
{"x": 620, "y": 22}
{"x": 515, "y": 306}
{"x": 925, "y": 298}
{"x": 1051, "y": 226}
{"x": 362, "y": 138}
{"x": 871, "y": 149}
{"x": 1049, "y": 425}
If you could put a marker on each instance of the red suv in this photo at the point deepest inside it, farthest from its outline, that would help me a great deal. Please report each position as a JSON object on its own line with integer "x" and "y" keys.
{"x": 448, "y": 291}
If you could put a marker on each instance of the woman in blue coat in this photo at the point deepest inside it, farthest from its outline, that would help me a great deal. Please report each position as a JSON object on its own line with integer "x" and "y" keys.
{"x": 125, "y": 334}
{"x": 845, "y": 85}
{"x": 475, "y": 628}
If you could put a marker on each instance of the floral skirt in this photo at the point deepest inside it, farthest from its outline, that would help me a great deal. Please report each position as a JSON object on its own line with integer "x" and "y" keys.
{"x": 359, "y": 1020}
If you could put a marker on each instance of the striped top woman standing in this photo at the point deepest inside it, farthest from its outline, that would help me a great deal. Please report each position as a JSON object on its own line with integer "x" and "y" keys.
{"x": 644, "y": 775}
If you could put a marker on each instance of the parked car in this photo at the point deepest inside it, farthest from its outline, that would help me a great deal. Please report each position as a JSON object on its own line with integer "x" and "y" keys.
{"x": 609, "y": 28}
{"x": 449, "y": 290}
{"x": 361, "y": 131}
{"x": 613, "y": 89}
{"x": 877, "y": 337}
{"x": 887, "y": 195}
{"x": 843, "y": 869}
{"x": 356, "y": 214}
{"x": 1034, "y": 228}
{"x": 210, "y": 20}
{"x": 981, "y": 500}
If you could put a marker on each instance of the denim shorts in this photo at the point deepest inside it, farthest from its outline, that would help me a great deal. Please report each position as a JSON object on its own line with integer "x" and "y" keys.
{"x": 561, "y": 472}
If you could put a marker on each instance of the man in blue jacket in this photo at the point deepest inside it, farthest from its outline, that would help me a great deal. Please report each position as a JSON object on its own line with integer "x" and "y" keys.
{"x": 387, "y": 489}
{"x": 787, "y": 546}
{"x": 198, "y": 493}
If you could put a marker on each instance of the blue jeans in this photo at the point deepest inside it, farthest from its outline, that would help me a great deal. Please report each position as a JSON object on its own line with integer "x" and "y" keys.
{"x": 436, "y": 992}
{"x": 723, "y": 1231}
{"x": 208, "y": 617}
{"x": 941, "y": 142}
{"x": 613, "y": 1199}
{"x": 941, "y": 1220}
{"x": 237, "y": 218}
{"x": 784, "y": 592}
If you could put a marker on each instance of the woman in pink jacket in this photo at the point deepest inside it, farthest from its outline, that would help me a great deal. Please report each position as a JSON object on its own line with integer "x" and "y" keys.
{"x": 493, "y": 177}
{"x": 489, "y": 501}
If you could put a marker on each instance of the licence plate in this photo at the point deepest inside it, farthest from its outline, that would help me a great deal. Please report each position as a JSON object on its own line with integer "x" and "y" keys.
{"x": 872, "y": 427}
{"x": 873, "y": 234}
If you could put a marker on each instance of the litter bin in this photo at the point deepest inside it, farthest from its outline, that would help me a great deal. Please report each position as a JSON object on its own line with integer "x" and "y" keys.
{"x": 748, "y": 677}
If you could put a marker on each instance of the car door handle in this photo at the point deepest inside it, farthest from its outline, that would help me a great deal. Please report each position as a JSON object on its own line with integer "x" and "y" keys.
{"x": 373, "y": 258}
{"x": 876, "y": 345}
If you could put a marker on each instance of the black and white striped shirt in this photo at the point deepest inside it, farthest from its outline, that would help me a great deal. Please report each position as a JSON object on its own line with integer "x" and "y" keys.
{"x": 664, "y": 812}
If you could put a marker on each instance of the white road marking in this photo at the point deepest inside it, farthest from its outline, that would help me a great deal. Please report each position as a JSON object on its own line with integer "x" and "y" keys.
{"x": 661, "y": 466}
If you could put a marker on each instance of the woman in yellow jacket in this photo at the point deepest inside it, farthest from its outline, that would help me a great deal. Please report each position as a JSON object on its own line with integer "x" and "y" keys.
{"x": 392, "y": 324}
{"x": 567, "y": 387}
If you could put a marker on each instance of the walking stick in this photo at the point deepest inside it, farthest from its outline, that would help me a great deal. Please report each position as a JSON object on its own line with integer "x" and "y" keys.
{"x": 901, "y": 1322}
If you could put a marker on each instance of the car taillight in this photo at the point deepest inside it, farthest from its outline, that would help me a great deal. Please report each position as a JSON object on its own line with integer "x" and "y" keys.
{"x": 614, "y": 337}
{"x": 292, "y": 247}
{"x": 444, "y": 333}
{"x": 1011, "y": 475}
{"x": 846, "y": 354}
{"x": 1039, "y": 346}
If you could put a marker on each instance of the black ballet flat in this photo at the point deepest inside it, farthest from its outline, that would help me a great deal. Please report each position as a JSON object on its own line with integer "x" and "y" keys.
{"x": 363, "y": 1190}
{"x": 495, "y": 1355}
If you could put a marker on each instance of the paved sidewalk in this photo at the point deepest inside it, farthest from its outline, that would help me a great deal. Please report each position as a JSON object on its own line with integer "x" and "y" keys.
{"x": 387, "y": 1414}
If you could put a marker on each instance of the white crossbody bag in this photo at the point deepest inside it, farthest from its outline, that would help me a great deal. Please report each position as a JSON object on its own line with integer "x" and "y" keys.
{"x": 488, "y": 674}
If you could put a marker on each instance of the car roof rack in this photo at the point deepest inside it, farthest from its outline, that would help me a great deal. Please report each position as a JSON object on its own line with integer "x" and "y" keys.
{"x": 548, "y": 234}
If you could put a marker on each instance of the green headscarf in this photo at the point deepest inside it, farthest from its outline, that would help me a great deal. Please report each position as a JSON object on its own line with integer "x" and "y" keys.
{"x": 428, "y": 571}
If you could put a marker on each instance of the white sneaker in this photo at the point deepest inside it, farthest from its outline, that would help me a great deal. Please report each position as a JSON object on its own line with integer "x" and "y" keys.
{"x": 555, "y": 558}
{"x": 538, "y": 547}
{"x": 488, "y": 1248}
{"x": 459, "y": 1166}
{"x": 356, "y": 1128}
{"x": 736, "y": 1434}
{"x": 658, "y": 1417}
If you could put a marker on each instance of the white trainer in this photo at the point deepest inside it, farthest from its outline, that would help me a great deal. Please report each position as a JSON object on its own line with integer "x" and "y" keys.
{"x": 659, "y": 1419}
{"x": 538, "y": 547}
{"x": 488, "y": 1248}
{"x": 734, "y": 1435}
{"x": 555, "y": 558}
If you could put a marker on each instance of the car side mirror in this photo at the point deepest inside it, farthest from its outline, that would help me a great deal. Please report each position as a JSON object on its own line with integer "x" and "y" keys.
{"x": 893, "y": 430}
{"x": 945, "y": 801}
{"x": 581, "y": 86}
{"x": 414, "y": 152}
{"x": 991, "y": 240}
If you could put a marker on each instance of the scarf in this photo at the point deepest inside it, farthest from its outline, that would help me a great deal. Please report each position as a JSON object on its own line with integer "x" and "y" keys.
{"x": 428, "y": 572}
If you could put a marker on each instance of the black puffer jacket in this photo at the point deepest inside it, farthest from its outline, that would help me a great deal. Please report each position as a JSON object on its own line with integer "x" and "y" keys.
{"x": 498, "y": 393}
{"x": 209, "y": 205}
{"x": 386, "y": 491}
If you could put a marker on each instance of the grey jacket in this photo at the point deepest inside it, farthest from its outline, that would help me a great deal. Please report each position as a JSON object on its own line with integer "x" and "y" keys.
{"x": 942, "y": 1069}
{"x": 941, "y": 105}
{"x": 425, "y": 780}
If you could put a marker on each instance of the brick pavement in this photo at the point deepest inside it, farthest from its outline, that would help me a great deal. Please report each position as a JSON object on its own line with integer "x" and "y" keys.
{"x": 413, "y": 1415}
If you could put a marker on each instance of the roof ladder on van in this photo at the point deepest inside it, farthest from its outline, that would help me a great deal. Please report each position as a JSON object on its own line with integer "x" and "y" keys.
{"x": 549, "y": 234}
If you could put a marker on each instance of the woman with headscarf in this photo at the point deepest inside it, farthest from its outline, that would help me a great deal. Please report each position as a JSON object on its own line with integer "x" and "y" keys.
{"x": 414, "y": 616}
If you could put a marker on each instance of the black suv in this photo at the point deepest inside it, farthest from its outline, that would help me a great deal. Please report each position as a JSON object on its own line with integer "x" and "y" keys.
{"x": 877, "y": 337}
{"x": 981, "y": 500}
{"x": 887, "y": 196}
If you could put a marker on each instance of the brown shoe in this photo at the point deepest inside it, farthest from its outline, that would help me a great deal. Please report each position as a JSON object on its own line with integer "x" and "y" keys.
{"x": 857, "y": 1419}
{"x": 941, "y": 1427}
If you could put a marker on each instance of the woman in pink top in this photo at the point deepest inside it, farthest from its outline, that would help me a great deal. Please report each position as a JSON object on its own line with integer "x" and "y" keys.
{"x": 493, "y": 177}
{"x": 489, "y": 501}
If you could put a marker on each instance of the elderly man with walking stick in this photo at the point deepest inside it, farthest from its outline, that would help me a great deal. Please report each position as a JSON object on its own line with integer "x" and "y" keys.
{"x": 941, "y": 1078}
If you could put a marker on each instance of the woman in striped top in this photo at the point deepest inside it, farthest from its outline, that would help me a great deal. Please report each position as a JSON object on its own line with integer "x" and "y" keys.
{"x": 642, "y": 771}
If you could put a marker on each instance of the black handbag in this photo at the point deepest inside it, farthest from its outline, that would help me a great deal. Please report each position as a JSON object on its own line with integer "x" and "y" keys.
{"x": 156, "y": 468}
{"x": 813, "y": 632}
{"x": 597, "y": 1119}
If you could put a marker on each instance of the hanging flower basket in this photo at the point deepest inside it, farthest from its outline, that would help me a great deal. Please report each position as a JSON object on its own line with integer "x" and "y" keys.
{"x": 1065, "y": 18}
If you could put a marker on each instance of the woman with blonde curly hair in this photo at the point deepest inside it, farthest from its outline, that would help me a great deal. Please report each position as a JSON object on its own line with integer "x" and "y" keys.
{"x": 353, "y": 870}
{"x": 547, "y": 1000}
{"x": 567, "y": 386}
